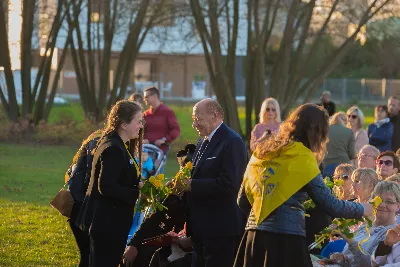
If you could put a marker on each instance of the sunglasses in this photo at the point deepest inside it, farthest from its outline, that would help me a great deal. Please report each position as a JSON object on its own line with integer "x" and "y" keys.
{"x": 271, "y": 109}
{"x": 344, "y": 177}
{"x": 352, "y": 116}
{"x": 386, "y": 162}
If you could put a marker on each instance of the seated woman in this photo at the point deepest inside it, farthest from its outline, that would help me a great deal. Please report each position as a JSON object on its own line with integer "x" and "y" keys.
{"x": 344, "y": 172}
{"x": 364, "y": 182}
{"x": 385, "y": 220}
{"x": 380, "y": 133}
{"x": 344, "y": 192}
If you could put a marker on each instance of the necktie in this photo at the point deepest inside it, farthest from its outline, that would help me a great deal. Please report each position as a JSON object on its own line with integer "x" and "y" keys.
{"x": 201, "y": 150}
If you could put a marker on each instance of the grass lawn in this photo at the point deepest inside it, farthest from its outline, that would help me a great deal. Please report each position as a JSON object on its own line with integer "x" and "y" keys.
{"x": 31, "y": 232}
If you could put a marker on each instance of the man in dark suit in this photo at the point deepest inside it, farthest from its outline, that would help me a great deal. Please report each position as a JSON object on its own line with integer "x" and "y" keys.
{"x": 215, "y": 223}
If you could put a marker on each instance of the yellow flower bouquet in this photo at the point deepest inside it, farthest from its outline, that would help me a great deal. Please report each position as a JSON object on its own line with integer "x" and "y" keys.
{"x": 153, "y": 193}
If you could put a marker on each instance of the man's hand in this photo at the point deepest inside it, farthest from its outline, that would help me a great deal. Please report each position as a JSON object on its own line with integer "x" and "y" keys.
{"x": 159, "y": 142}
{"x": 130, "y": 256}
{"x": 145, "y": 141}
{"x": 392, "y": 236}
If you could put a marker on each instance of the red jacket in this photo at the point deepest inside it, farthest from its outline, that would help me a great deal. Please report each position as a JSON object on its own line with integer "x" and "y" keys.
{"x": 161, "y": 123}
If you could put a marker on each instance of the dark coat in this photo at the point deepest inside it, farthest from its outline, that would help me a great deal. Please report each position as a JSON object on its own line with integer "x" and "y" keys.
{"x": 113, "y": 190}
{"x": 212, "y": 208}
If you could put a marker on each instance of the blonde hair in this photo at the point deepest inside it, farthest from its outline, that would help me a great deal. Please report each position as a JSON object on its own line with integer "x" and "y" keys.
{"x": 394, "y": 178}
{"x": 388, "y": 187}
{"x": 337, "y": 118}
{"x": 263, "y": 110}
{"x": 345, "y": 168}
{"x": 360, "y": 116}
{"x": 367, "y": 176}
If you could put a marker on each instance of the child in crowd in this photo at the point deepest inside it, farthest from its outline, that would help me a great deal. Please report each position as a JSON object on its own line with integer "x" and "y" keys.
{"x": 147, "y": 165}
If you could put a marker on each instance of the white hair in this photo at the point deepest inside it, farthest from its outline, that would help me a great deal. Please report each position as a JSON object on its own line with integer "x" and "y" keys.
{"x": 263, "y": 110}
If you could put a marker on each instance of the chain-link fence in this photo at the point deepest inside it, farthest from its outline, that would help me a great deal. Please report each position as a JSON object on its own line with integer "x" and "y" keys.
{"x": 359, "y": 90}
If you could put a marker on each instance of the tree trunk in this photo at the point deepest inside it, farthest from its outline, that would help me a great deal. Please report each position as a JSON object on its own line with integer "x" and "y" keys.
{"x": 12, "y": 105}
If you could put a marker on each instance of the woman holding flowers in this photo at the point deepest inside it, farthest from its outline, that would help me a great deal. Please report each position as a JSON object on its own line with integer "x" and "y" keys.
{"x": 281, "y": 173}
{"x": 107, "y": 211}
{"x": 359, "y": 249}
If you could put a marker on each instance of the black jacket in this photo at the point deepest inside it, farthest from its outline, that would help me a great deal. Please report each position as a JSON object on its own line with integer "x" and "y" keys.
{"x": 113, "y": 190}
{"x": 212, "y": 208}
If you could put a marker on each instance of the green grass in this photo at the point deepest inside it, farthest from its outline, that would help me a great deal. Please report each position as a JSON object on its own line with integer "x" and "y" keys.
{"x": 31, "y": 232}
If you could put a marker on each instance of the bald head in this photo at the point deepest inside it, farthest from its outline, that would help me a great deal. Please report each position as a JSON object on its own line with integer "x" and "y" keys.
{"x": 211, "y": 106}
{"x": 207, "y": 116}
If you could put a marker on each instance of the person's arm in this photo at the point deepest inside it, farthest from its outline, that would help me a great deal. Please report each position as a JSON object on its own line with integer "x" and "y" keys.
{"x": 351, "y": 147}
{"x": 112, "y": 162}
{"x": 321, "y": 195}
{"x": 231, "y": 173}
{"x": 173, "y": 127}
{"x": 151, "y": 226}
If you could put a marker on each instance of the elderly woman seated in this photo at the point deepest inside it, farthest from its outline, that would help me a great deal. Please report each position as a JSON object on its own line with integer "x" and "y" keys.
{"x": 385, "y": 220}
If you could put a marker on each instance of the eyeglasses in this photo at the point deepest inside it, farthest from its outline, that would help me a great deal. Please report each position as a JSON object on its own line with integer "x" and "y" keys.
{"x": 352, "y": 116}
{"x": 366, "y": 155}
{"x": 388, "y": 202}
{"x": 387, "y": 163}
{"x": 344, "y": 177}
{"x": 271, "y": 109}
{"x": 147, "y": 96}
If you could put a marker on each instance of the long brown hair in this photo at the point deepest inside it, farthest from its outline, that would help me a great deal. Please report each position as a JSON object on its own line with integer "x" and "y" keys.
{"x": 307, "y": 124}
{"x": 123, "y": 112}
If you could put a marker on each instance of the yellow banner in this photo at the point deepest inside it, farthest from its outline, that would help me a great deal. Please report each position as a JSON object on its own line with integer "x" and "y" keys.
{"x": 271, "y": 181}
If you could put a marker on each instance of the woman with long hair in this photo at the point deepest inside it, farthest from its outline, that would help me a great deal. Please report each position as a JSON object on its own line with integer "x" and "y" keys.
{"x": 280, "y": 176}
{"x": 107, "y": 211}
{"x": 355, "y": 122}
{"x": 270, "y": 119}
{"x": 78, "y": 182}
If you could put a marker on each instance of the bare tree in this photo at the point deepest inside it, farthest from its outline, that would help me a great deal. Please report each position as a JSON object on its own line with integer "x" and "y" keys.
{"x": 306, "y": 23}
{"x": 217, "y": 23}
{"x": 34, "y": 96}
{"x": 108, "y": 24}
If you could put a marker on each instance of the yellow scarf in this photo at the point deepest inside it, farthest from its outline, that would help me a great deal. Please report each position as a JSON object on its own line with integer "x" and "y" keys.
{"x": 134, "y": 161}
{"x": 271, "y": 181}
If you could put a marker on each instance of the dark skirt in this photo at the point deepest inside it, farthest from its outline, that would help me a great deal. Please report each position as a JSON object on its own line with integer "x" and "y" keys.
{"x": 267, "y": 249}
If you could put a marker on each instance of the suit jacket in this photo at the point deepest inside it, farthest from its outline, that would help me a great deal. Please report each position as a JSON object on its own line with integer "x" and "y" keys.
{"x": 112, "y": 192}
{"x": 212, "y": 208}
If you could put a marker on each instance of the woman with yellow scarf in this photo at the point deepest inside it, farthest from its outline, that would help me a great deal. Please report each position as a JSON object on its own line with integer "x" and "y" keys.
{"x": 280, "y": 176}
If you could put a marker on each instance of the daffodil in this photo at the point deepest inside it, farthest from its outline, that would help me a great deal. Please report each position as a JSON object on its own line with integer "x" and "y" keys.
{"x": 189, "y": 165}
{"x": 152, "y": 179}
{"x": 376, "y": 201}
{"x": 160, "y": 177}
{"x": 157, "y": 183}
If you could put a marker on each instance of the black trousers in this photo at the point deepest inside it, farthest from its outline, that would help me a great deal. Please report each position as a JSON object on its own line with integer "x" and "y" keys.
{"x": 267, "y": 249}
{"x": 106, "y": 250}
{"x": 83, "y": 241}
{"x": 214, "y": 252}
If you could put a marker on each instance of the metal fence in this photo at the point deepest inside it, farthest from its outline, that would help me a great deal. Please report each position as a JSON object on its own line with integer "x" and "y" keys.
{"x": 359, "y": 90}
